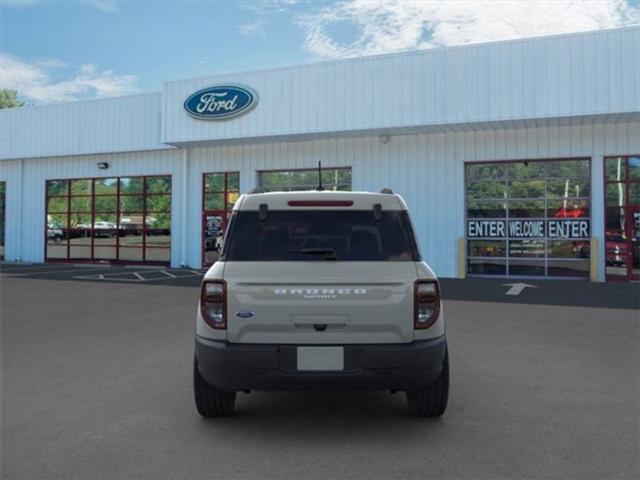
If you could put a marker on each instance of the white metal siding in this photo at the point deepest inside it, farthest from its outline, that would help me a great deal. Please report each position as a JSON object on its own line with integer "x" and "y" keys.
{"x": 426, "y": 169}
{"x": 562, "y": 76}
{"x": 97, "y": 126}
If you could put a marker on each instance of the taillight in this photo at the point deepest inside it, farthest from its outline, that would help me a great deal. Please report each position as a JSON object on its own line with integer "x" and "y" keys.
{"x": 426, "y": 303}
{"x": 213, "y": 303}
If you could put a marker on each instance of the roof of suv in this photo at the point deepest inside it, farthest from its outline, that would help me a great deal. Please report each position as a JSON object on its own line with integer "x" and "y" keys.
{"x": 320, "y": 200}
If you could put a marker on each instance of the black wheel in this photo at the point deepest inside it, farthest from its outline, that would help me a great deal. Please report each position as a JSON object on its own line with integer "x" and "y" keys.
{"x": 431, "y": 401}
{"x": 211, "y": 402}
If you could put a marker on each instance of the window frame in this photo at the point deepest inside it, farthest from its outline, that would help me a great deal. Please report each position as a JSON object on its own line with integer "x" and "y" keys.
{"x": 118, "y": 214}
{"x": 506, "y": 179}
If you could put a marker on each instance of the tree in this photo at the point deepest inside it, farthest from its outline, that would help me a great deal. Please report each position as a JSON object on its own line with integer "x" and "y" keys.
{"x": 9, "y": 99}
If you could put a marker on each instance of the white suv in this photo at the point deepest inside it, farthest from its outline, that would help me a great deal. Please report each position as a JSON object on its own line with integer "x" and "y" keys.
{"x": 320, "y": 290}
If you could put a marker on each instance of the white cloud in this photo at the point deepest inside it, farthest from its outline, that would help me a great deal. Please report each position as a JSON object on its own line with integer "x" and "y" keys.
{"x": 387, "y": 26}
{"x": 33, "y": 81}
{"x": 252, "y": 29}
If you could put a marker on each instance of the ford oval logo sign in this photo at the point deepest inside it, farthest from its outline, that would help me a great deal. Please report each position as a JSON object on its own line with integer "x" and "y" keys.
{"x": 221, "y": 102}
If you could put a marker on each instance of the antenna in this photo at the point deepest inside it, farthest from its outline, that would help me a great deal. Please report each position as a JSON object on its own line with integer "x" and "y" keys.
{"x": 320, "y": 187}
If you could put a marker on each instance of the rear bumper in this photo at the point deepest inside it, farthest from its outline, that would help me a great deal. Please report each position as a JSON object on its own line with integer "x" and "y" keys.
{"x": 233, "y": 367}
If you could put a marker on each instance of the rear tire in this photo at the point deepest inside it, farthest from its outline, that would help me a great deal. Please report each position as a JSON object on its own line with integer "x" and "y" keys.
{"x": 211, "y": 402}
{"x": 432, "y": 400}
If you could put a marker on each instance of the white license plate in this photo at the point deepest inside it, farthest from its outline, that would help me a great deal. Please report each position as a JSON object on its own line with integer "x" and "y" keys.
{"x": 321, "y": 358}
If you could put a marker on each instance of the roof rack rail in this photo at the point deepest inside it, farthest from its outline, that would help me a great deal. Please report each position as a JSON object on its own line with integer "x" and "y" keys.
{"x": 388, "y": 191}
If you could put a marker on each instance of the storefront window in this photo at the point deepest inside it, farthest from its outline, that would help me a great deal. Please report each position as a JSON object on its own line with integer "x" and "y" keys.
{"x": 220, "y": 192}
{"x": 109, "y": 219}
{"x": 528, "y": 218}
{"x": 622, "y": 217}
{"x": 290, "y": 180}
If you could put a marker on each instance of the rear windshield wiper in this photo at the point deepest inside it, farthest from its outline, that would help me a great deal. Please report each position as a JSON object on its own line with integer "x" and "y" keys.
{"x": 330, "y": 253}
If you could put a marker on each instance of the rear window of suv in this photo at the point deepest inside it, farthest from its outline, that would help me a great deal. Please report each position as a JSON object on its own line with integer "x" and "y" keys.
{"x": 321, "y": 235}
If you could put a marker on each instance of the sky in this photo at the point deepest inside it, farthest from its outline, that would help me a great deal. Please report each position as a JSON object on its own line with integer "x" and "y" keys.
{"x": 56, "y": 51}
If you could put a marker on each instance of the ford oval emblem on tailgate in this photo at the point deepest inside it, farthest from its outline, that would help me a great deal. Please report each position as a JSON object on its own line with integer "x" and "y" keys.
{"x": 244, "y": 314}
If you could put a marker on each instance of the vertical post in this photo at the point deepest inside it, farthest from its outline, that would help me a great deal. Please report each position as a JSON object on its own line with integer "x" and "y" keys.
{"x": 594, "y": 257}
{"x": 462, "y": 258}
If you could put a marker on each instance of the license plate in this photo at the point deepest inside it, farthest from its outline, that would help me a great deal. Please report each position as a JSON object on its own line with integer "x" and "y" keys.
{"x": 321, "y": 358}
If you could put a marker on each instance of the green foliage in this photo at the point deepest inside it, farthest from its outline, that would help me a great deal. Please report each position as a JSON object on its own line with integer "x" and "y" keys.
{"x": 9, "y": 99}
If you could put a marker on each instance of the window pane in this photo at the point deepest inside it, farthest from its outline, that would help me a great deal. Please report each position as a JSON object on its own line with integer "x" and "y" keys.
{"x": 616, "y": 194}
{"x": 158, "y": 238}
{"x": 568, "y": 168}
{"x": 232, "y": 197}
{"x": 526, "y": 267}
{"x": 526, "y": 189}
{"x": 131, "y": 185}
{"x": 107, "y": 221}
{"x": 158, "y": 203}
{"x": 526, "y": 169}
{"x": 487, "y": 266}
{"x": 214, "y": 201}
{"x": 130, "y": 254}
{"x": 485, "y": 190}
{"x": 159, "y": 220}
{"x": 615, "y": 168}
{"x": 526, "y": 209}
{"x": 568, "y": 188}
{"x": 131, "y": 203}
{"x": 615, "y": 219}
{"x": 79, "y": 252}
{"x": 106, "y": 186}
{"x": 158, "y": 184}
{"x": 568, "y": 248}
{"x": 571, "y": 208}
{"x": 490, "y": 171}
{"x": 104, "y": 237}
{"x": 56, "y": 244}
{"x": 81, "y": 187}
{"x": 214, "y": 182}
{"x": 57, "y": 187}
{"x": 106, "y": 204}
{"x": 158, "y": 255}
{"x": 104, "y": 252}
{"x": 130, "y": 237}
{"x": 487, "y": 248}
{"x": 57, "y": 220}
{"x": 57, "y": 204}
{"x": 233, "y": 181}
{"x": 634, "y": 193}
{"x": 634, "y": 168}
{"x": 559, "y": 268}
{"x": 489, "y": 209}
{"x": 526, "y": 248}
{"x": 81, "y": 204}
{"x": 80, "y": 220}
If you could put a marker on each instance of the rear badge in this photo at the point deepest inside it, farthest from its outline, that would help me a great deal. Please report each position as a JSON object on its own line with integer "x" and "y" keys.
{"x": 244, "y": 314}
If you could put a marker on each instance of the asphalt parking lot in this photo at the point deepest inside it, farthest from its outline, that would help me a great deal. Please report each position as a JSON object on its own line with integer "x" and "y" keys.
{"x": 96, "y": 383}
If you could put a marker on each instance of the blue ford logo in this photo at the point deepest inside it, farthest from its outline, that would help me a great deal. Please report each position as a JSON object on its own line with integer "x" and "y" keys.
{"x": 221, "y": 102}
{"x": 244, "y": 314}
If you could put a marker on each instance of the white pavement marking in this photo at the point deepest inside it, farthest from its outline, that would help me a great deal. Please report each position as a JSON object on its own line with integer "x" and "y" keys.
{"x": 516, "y": 288}
{"x": 142, "y": 279}
{"x": 136, "y": 276}
{"x": 169, "y": 274}
{"x": 44, "y": 272}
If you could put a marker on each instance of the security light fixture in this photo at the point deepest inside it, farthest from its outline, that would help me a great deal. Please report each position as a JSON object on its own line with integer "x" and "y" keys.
{"x": 102, "y": 165}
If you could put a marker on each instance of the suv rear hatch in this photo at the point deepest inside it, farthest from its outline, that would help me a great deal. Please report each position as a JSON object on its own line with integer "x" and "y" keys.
{"x": 320, "y": 277}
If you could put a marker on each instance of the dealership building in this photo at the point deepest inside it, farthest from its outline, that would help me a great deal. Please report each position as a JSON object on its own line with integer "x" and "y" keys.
{"x": 516, "y": 159}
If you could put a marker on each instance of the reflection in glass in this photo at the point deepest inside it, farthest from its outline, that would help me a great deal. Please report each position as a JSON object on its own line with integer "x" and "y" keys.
{"x": 80, "y": 252}
{"x": 131, "y": 185}
{"x": 488, "y": 266}
{"x": 487, "y": 209}
{"x": 214, "y": 182}
{"x": 526, "y": 248}
{"x": 533, "y": 268}
{"x": 131, "y": 204}
{"x": 526, "y": 209}
{"x": 616, "y": 194}
{"x": 214, "y": 201}
{"x": 158, "y": 238}
{"x": 568, "y": 248}
{"x": 568, "y": 188}
{"x": 558, "y": 268}
{"x": 158, "y": 184}
{"x": 157, "y": 255}
{"x": 57, "y": 187}
{"x": 485, "y": 190}
{"x": 634, "y": 168}
{"x": 57, "y": 204}
{"x": 81, "y": 204}
{"x": 569, "y": 208}
{"x": 81, "y": 187}
{"x": 487, "y": 248}
{"x": 568, "y": 168}
{"x": 526, "y": 189}
{"x": 106, "y": 186}
{"x": 158, "y": 203}
{"x": 288, "y": 180}
{"x": 131, "y": 254}
{"x": 106, "y": 204}
{"x": 526, "y": 169}
{"x": 615, "y": 169}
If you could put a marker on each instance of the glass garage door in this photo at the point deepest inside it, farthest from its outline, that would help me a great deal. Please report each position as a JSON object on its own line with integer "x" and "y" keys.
{"x": 220, "y": 192}
{"x": 120, "y": 219}
{"x": 528, "y": 218}
{"x": 2, "y": 223}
